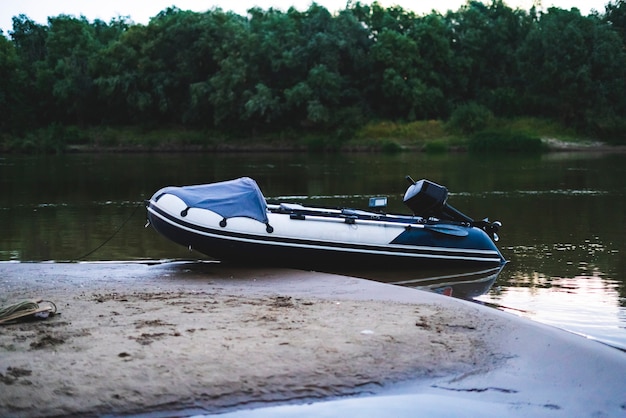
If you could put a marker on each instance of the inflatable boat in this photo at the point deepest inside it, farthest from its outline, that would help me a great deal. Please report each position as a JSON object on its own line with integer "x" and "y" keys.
{"x": 232, "y": 221}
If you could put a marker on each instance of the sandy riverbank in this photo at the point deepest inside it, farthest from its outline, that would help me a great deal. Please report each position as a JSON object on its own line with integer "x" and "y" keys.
{"x": 207, "y": 338}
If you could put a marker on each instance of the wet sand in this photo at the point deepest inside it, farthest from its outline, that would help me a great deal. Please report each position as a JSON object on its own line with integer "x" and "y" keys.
{"x": 183, "y": 338}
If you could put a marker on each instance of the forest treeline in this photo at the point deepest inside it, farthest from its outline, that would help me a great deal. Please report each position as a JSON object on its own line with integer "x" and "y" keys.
{"x": 312, "y": 70}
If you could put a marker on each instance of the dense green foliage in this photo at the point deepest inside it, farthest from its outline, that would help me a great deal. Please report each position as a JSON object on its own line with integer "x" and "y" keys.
{"x": 469, "y": 118}
{"x": 312, "y": 71}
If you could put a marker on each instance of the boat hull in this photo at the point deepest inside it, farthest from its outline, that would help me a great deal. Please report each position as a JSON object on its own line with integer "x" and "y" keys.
{"x": 316, "y": 241}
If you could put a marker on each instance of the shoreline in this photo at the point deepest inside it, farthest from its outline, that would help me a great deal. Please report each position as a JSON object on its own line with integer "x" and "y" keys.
{"x": 188, "y": 338}
{"x": 274, "y": 145}
{"x": 552, "y": 144}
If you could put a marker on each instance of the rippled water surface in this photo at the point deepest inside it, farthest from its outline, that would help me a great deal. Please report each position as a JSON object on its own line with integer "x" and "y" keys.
{"x": 564, "y": 230}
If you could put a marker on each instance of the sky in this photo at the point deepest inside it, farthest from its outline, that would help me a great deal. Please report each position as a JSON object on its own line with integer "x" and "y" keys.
{"x": 140, "y": 11}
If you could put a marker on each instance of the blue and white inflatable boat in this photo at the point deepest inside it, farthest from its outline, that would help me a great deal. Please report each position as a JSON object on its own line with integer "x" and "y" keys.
{"x": 232, "y": 221}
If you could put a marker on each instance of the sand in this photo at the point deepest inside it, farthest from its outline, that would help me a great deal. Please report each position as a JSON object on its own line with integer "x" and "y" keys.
{"x": 137, "y": 338}
{"x": 175, "y": 339}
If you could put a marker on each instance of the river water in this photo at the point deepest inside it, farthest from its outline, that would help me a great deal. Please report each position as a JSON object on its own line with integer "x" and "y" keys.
{"x": 563, "y": 214}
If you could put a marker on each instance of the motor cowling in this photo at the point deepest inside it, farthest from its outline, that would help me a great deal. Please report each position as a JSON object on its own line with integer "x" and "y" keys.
{"x": 430, "y": 200}
{"x": 425, "y": 198}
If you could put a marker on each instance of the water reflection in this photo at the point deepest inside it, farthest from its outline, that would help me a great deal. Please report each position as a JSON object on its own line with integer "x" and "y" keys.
{"x": 463, "y": 285}
{"x": 460, "y": 283}
{"x": 586, "y": 304}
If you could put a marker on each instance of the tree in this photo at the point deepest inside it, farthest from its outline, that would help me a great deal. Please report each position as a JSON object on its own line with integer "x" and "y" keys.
{"x": 615, "y": 15}
{"x": 119, "y": 77}
{"x": 10, "y": 87}
{"x": 337, "y": 70}
{"x": 66, "y": 74}
{"x": 307, "y": 69}
{"x": 273, "y": 71}
{"x": 29, "y": 40}
{"x": 485, "y": 39}
{"x": 573, "y": 67}
{"x": 231, "y": 78}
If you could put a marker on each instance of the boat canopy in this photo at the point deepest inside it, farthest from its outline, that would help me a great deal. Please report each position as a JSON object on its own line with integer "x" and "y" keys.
{"x": 239, "y": 197}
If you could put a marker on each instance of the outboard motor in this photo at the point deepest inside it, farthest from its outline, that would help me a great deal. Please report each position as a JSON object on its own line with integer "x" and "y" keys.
{"x": 429, "y": 200}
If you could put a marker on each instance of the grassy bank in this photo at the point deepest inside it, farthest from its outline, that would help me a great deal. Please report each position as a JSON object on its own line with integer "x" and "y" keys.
{"x": 499, "y": 135}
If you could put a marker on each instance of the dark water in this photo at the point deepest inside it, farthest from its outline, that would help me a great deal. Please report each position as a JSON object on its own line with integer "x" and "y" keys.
{"x": 564, "y": 230}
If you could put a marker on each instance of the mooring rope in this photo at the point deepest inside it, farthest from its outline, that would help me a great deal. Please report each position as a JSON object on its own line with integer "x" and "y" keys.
{"x": 113, "y": 235}
{"x": 24, "y": 309}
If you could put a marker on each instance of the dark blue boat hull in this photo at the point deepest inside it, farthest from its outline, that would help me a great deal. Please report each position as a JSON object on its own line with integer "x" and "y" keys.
{"x": 434, "y": 249}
